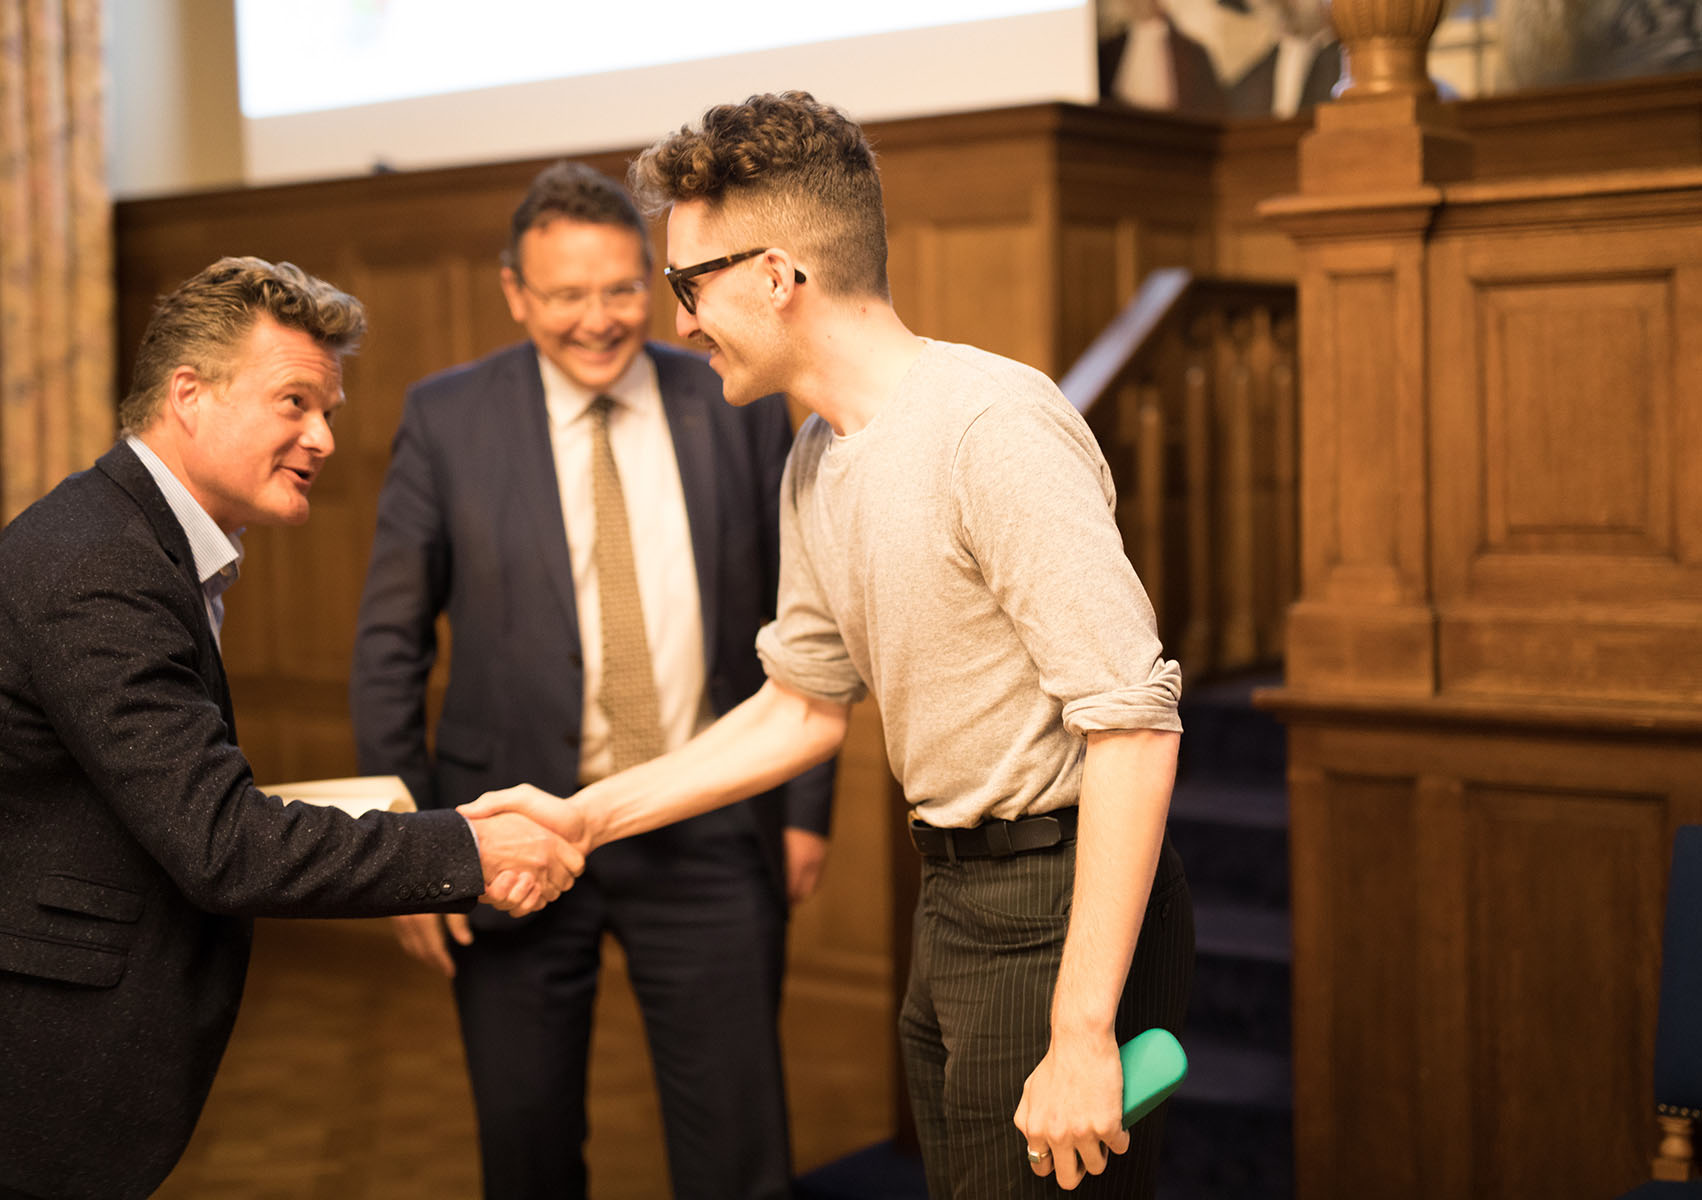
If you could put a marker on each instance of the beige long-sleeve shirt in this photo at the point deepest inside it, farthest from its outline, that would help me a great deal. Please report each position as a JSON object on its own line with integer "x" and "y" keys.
{"x": 958, "y": 557}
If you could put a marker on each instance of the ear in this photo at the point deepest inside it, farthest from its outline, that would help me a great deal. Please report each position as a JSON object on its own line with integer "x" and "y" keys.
{"x": 185, "y": 392}
{"x": 783, "y": 277}
{"x": 514, "y": 294}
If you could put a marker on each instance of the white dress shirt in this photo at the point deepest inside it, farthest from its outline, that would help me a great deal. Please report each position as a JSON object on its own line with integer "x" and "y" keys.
{"x": 1295, "y": 55}
{"x": 1145, "y": 76}
{"x": 217, "y": 555}
{"x": 661, "y": 546}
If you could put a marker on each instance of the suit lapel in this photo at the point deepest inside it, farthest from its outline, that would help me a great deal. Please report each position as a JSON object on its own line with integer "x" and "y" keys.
{"x": 121, "y": 465}
{"x": 687, "y": 406}
{"x": 532, "y": 460}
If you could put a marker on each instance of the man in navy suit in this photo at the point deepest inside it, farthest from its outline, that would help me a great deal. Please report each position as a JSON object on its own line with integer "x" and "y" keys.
{"x": 134, "y": 847}
{"x": 560, "y": 500}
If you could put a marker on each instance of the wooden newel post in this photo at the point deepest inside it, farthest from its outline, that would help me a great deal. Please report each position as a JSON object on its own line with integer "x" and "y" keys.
{"x": 1386, "y": 129}
{"x": 1384, "y": 46}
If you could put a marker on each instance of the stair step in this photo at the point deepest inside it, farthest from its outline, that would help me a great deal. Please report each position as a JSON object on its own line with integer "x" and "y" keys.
{"x": 1243, "y": 988}
{"x": 1223, "y": 1073}
{"x": 1247, "y": 864}
{"x": 1225, "y": 736}
{"x": 1214, "y": 1153}
{"x": 1242, "y": 1002}
{"x": 1216, "y": 801}
{"x": 1231, "y": 930}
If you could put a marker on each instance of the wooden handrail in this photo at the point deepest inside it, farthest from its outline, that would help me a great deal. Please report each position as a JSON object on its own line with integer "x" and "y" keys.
{"x": 1191, "y": 392}
{"x": 1099, "y": 365}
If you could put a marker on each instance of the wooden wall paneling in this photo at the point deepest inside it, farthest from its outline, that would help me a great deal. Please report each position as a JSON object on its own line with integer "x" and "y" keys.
{"x": 1570, "y": 413}
{"x": 1234, "y": 407}
{"x": 1284, "y": 481}
{"x": 1096, "y": 271}
{"x": 1312, "y": 855}
{"x": 994, "y": 294}
{"x": 1565, "y": 939}
{"x": 1442, "y": 1075}
{"x": 1257, "y": 160}
{"x": 1374, "y": 894}
{"x": 1535, "y": 856}
{"x": 1649, "y": 122}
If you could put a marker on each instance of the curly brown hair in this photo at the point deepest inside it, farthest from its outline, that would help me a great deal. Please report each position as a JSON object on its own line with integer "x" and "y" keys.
{"x": 203, "y": 322}
{"x": 783, "y": 170}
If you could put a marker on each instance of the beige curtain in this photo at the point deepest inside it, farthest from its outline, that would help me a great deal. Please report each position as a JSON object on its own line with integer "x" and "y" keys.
{"x": 56, "y": 289}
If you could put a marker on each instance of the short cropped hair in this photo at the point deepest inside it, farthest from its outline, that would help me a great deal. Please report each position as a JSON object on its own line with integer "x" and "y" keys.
{"x": 782, "y": 170}
{"x": 204, "y": 322}
{"x": 575, "y": 192}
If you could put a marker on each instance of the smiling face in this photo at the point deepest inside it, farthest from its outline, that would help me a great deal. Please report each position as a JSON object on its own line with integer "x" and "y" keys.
{"x": 572, "y": 291}
{"x": 255, "y": 439}
{"x": 735, "y": 321}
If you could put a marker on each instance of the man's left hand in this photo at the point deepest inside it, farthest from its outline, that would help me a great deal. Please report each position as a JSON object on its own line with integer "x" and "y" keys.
{"x": 1072, "y": 1109}
{"x": 806, "y": 855}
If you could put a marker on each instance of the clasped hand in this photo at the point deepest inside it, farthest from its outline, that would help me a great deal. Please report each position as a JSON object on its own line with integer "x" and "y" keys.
{"x": 1071, "y": 1112}
{"x": 532, "y": 846}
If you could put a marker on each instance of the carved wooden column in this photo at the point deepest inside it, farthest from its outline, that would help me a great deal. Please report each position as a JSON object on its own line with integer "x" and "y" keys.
{"x": 1368, "y": 176}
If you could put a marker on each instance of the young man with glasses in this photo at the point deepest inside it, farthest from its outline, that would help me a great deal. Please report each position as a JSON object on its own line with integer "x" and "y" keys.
{"x": 947, "y": 543}
{"x": 601, "y": 531}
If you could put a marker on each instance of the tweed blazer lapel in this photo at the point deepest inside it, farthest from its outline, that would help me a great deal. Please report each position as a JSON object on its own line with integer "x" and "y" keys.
{"x": 121, "y": 465}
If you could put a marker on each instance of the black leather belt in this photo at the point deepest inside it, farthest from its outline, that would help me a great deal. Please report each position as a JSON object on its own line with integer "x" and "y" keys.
{"x": 995, "y": 839}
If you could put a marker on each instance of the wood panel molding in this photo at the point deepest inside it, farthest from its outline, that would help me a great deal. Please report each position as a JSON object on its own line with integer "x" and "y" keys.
{"x": 1476, "y": 938}
{"x": 1568, "y": 514}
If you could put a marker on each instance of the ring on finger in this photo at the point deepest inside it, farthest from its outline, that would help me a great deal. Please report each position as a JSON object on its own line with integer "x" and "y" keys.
{"x": 1038, "y": 1156}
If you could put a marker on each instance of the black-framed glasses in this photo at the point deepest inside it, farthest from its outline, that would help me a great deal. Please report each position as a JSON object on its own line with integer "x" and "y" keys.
{"x": 683, "y": 279}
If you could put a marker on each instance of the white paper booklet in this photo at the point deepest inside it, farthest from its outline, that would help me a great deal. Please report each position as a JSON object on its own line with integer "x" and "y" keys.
{"x": 354, "y": 795}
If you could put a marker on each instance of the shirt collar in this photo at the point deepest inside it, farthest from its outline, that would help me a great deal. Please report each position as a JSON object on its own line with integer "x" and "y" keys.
{"x": 567, "y": 400}
{"x": 216, "y": 554}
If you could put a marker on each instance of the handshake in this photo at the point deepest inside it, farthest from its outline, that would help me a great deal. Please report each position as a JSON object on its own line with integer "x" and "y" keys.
{"x": 532, "y": 846}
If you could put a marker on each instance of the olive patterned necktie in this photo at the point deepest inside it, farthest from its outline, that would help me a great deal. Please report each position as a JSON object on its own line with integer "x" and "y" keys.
{"x": 628, "y": 696}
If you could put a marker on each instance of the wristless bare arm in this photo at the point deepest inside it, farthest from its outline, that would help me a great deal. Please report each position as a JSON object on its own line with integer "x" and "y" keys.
{"x": 1072, "y": 1103}
{"x": 760, "y": 744}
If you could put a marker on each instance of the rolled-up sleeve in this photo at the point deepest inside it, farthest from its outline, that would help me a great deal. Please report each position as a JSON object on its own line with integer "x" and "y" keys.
{"x": 1036, "y": 504}
{"x": 802, "y": 648}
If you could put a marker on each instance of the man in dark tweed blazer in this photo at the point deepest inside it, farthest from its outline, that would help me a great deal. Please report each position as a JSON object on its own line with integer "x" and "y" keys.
{"x": 134, "y": 847}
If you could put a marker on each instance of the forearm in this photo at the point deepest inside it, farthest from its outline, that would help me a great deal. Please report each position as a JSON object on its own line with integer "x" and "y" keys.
{"x": 763, "y": 742}
{"x": 1125, "y": 799}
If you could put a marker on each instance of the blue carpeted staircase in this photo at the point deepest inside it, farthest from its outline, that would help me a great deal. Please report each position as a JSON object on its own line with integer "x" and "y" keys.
{"x": 1228, "y": 1132}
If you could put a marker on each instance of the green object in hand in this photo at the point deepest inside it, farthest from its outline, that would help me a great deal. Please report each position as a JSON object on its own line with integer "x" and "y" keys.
{"x": 1153, "y": 1065}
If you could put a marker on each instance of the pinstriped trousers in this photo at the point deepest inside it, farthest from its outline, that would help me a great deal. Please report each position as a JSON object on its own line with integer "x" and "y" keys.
{"x": 987, "y": 940}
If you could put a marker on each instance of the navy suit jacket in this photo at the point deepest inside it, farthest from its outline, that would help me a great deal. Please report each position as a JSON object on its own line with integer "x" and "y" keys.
{"x": 134, "y": 847}
{"x": 469, "y": 523}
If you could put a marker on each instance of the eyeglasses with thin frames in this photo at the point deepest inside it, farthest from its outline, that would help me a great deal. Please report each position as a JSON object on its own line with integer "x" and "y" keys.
{"x": 565, "y": 303}
{"x": 684, "y": 279}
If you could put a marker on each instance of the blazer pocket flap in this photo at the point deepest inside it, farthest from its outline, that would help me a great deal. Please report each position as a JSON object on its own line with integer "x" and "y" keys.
{"x": 90, "y": 899}
{"x": 91, "y": 966}
{"x": 463, "y": 744}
